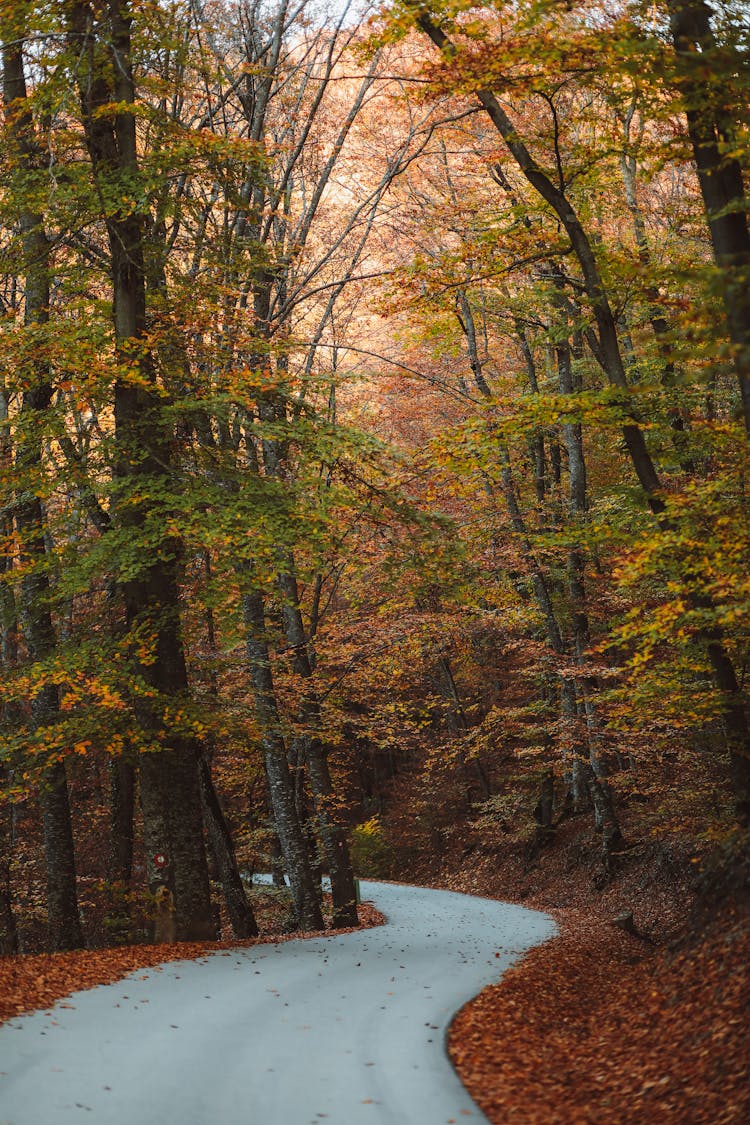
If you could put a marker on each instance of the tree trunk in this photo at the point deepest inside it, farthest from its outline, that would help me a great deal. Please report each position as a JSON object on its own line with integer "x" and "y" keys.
{"x": 329, "y": 822}
{"x": 297, "y": 757}
{"x": 330, "y": 828}
{"x": 8, "y": 928}
{"x": 599, "y": 789}
{"x": 240, "y": 911}
{"x": 277, "y": 860}
{"x": 121, "y": 816}
{"x": 34, "y": 603}
{"x": 8, "y": 661}
{"x": 712, "y": 126}
{"x": 173, "y": 833}
{"x": 545, "y": 826}
{"x": 170, "y": 790}
{"x": 280, "y": 782}
{"x": 63, "y": 922}
{"x": 219, "y": 833}
{"x": 536, "y": 441}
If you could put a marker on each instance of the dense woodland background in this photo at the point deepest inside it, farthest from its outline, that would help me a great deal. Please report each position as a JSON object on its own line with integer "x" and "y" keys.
{"x": 375, "y": 405}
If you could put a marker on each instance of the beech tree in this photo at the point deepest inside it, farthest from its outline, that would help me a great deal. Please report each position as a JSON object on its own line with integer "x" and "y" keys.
{"x": 181, "y": 173}
{"x": 34, "y": 594}
{"x": 469, "y": 66}
{"x": 707, "y": 74}
{"x": 372, "y": 435}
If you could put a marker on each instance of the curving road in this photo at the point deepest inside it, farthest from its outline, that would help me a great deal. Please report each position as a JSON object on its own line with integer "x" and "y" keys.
{"x": 346, "y": 1030}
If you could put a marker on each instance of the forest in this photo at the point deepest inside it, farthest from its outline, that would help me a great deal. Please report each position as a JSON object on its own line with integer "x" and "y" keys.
{"x": 374, "y": 454}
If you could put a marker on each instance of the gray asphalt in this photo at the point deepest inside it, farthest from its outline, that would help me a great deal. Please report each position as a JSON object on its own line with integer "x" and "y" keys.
{"x": 348, "y": 1030}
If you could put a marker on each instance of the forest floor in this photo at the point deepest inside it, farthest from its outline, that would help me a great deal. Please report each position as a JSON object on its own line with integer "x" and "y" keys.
{"x": 599, "y": 1025}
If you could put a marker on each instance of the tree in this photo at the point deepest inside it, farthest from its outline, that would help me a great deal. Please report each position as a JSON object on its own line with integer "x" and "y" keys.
{"x": 706, "y": 73}
{"x": 34, "y": 608}
{"x": 607, "y": 350}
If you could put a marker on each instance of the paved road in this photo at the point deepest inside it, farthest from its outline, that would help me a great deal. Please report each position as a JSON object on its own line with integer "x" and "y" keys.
{"x": 340, "y": 1031}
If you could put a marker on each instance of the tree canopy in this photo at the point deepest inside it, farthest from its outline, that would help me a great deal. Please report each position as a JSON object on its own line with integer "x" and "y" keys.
{"x": 374, "y": 419}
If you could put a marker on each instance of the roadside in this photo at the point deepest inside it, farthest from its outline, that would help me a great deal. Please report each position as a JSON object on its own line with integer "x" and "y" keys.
{"x": 600, "y": 1025}
{"x": 593, "y": 1028}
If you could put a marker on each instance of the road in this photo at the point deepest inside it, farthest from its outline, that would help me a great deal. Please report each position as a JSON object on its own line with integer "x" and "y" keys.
{"x": 348, "y": 1030}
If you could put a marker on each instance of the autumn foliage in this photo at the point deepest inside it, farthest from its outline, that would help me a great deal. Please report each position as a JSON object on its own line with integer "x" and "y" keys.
{"x": 374, "y": 417}
{"x": 594, "y": 1026}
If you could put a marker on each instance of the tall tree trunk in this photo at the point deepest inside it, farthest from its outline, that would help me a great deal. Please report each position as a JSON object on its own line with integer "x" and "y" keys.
{"x": 536, "y": 441}
{"x": 8, "y": 928}
{"x": 271, "y": 409}
{"x": 599, "y": 788}
{"x": 8, "y": 661}
{"x": 331, "y": 828}
{"x": 712, "y": 126}
{"x": 240, "y": 912}
{"x": 277, "y": 859}
{"x": 121, "y": 816}
{"x": 297, "y": 756}
{"x": 289, "y": 832}
{"x": 63, "y": 921}
{"x": 219, "y": 833}
{"x": 64, "y": 924}
{"x": 170, "y": 788}
{"x": 280, "y": 783}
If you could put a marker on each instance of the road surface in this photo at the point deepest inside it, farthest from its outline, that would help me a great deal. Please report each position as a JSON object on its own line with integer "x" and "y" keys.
{"x": 348, "y": 1030}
